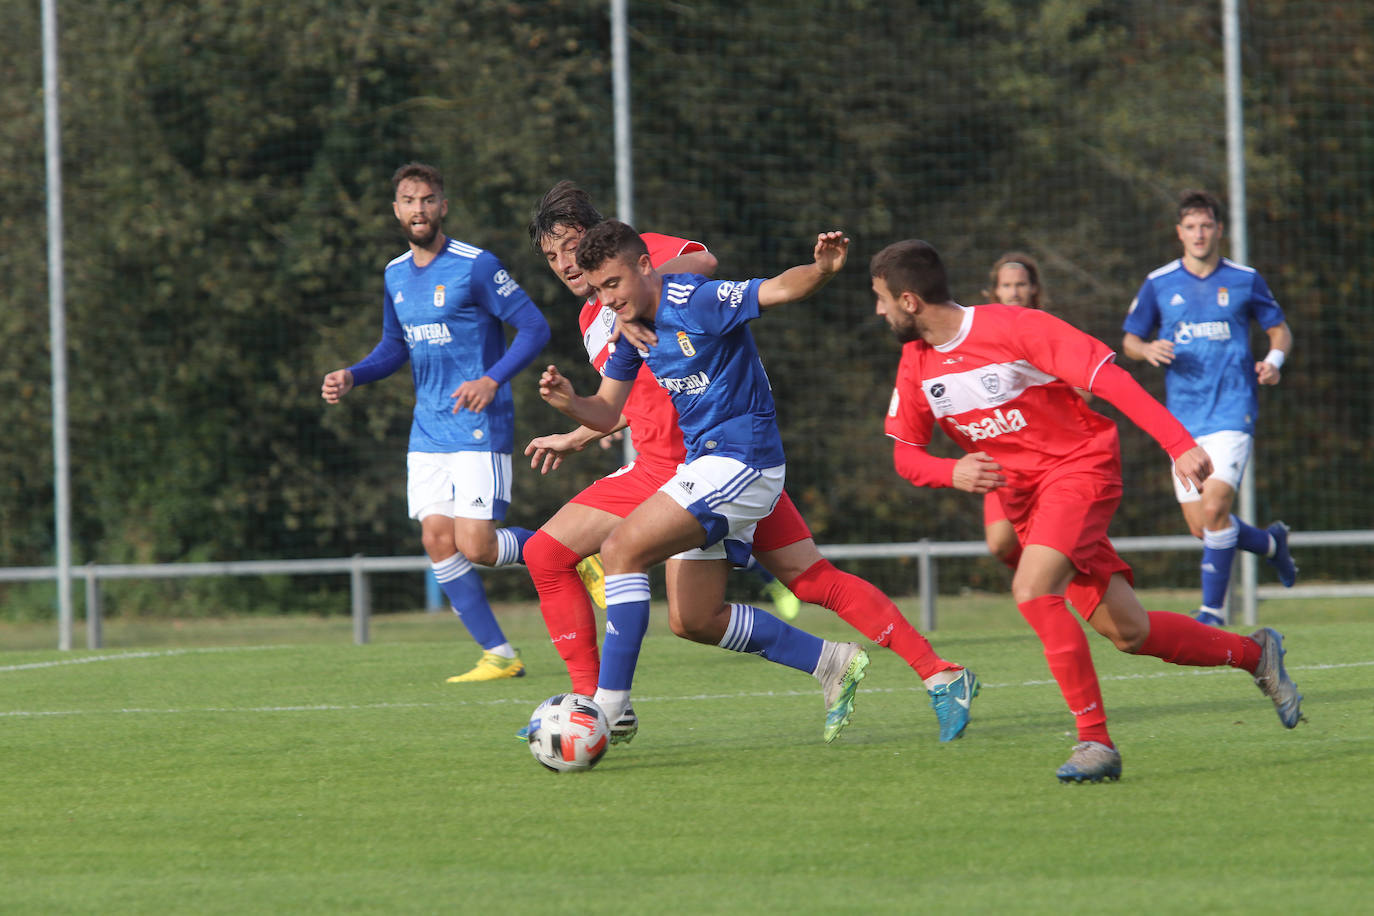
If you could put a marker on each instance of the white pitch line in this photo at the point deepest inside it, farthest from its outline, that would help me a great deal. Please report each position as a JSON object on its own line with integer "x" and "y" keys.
{"x": 531, "y": 702}
{"x": 125, "y": 656}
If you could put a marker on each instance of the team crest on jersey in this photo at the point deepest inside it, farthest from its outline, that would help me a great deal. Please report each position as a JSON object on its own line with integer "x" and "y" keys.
{"x": 1223, "y": 297}
{"x": 991, "y": 383}
{"x": 685, "y": 344}
{"x": 439, "y": 296}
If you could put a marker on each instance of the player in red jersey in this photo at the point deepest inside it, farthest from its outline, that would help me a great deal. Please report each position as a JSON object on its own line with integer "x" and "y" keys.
{"x": 782, "y": 542}
{"x": 999, "y": 380}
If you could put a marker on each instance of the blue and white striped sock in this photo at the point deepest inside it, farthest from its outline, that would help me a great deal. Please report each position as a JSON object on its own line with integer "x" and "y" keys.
{"x": 758, "y": 632}
{"x": 465, "y": 592}
{"x": 627, "y": 620}
{"x": 510, "y": 545}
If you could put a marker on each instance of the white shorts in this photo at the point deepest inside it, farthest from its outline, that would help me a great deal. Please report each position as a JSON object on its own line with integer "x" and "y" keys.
{"x": 729, "y": 498}
{"x": 458, "y": 484}
{"x": 1230, "y": 452}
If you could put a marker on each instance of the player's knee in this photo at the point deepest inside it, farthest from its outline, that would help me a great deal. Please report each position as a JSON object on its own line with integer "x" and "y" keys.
{"x": 543, "y": 555}
{"x": 479, "y": 549}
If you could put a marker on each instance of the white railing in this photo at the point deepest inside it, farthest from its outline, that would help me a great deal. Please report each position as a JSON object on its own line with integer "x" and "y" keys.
{"x": 359, "y": 567}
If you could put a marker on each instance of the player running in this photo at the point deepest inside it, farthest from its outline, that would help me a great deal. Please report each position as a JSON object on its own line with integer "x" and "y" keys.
{"x": 999, "y": 380}
{"x": 1202, "y": 305}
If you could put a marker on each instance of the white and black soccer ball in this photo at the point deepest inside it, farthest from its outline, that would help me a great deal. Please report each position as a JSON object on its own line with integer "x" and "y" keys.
{"x": 569, "y": 732}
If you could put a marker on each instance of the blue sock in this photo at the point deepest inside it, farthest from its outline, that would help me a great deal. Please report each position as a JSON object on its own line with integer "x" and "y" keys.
{"x": 758, "y": 632}
{"x": 510, "y": 545}
{"x": 463, "y": 587}
{"x": 627, "y": 620}
{"x": 1218, "y": 550}
{"x": 1252, "y": 539}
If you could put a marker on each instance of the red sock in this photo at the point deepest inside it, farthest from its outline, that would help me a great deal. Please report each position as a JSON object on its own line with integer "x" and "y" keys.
{"x": 1071, "y": 663}
{"x": 863, "y": 606}
{"x": 566, "y": 608}
{"x": 1181, "y": 640}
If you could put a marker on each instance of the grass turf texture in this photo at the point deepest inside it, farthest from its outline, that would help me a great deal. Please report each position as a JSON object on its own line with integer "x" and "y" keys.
{"x": 311, "y": 775}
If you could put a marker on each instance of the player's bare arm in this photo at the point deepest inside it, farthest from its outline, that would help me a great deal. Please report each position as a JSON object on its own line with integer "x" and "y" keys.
{"x": 1193, "y": 467}
{"x": 600, "y": 411}
{"x": 1157, "y": 352}
{"x": 336, "y": 384}
{"x": 1269, "y": 370}
{"x": 693, "y": 262}
{"x": 475, "y": 394}
{"x": 796, "y": 283}
{"x": 977, "y": 472}
{"x": 549, "y": 451}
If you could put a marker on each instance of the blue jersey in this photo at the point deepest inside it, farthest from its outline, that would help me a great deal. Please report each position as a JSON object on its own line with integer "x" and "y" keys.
{"x": 706, "y": 360}
{"x": 446, "y": 318}
{"x": 1210, "y": 385}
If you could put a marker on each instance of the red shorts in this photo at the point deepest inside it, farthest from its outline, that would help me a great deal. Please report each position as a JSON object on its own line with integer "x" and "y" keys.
{"x": 1071, "y": 515}
{"x": 992, "y": 509}
{"x": 622, "y": 492}
{"x": 782, "y": 527}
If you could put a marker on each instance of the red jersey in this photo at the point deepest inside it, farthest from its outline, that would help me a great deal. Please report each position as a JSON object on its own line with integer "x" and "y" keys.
{"x": 1005, "y": 384}
{"x": 653, "y": 419}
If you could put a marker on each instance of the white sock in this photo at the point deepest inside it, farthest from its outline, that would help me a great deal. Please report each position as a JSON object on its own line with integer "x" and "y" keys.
{"x": 941, "y": 678}
{"x": 504, "y": 650}
{"x": 612, "y": 703}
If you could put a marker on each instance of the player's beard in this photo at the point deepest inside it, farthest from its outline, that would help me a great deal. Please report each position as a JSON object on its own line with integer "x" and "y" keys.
{"x": 906, "y": 333}
{"x": 422, "y": 236}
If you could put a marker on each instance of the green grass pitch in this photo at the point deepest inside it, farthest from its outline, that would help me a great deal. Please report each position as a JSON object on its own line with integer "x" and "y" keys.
{"x": 273, "y": 767}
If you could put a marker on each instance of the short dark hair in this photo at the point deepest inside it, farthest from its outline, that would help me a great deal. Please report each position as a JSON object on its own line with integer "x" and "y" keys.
{"x": 1193, "y": 199}
{"x": 418, "y": 171}
{"x": 1039, "y": 299}
{"x": 565, "y": 204}
{"x": 608, "y": 240}
{"x": 912, "y": 266}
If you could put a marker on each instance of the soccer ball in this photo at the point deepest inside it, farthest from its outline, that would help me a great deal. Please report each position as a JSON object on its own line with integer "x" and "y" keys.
{"x": 569, "y": 732}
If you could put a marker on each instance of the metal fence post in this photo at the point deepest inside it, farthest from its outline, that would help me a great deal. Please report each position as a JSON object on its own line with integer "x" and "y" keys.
{"x": 926, "y": 563}
{"x": 94, "y": 612}
{"x": 362, "y": 600}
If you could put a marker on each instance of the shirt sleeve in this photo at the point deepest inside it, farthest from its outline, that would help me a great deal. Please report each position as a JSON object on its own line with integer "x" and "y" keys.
{"x": 721, "y": 306}
{"x": 1124, "y": 392}
{"x": 1263, "y": 305}
{"x": 390, "y": 354}
{"x": 1054, "y": 346}
{"x": 497, "y": 292}
{"x": 1143, "y": 316}
{"x": 921, "y": 467}
{"x": 623, "y": 364}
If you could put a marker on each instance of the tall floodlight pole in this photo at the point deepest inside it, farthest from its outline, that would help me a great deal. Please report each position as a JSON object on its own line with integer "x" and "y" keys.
{"x": 57, "y": 322}
{"x": 1240, "y": 245}
{"x": 624, "y": 163}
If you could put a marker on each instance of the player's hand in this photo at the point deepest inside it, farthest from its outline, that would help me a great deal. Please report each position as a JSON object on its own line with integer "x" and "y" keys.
{"x": 475, "y": 395}
{"x": 1267, "y": 373}
{"x": 832, "y": 248}
{"x": 336, "y": 384}
{"x": 608, "y": 441}
{"x": 976, "y": 472}
{"x": 1159, "y": 352}
{"x": 1193, "y": 467}
{"x": 556, "y": 390}
{"x": 635, "y": 333}
{"x": 549, "y": 451}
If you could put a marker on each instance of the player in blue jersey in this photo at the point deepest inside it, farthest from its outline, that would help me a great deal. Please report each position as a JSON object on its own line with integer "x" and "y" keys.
{"x": 704, "y": 357}
{"x": 444, "y": 309}
{"x": 1202, "y": 305}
